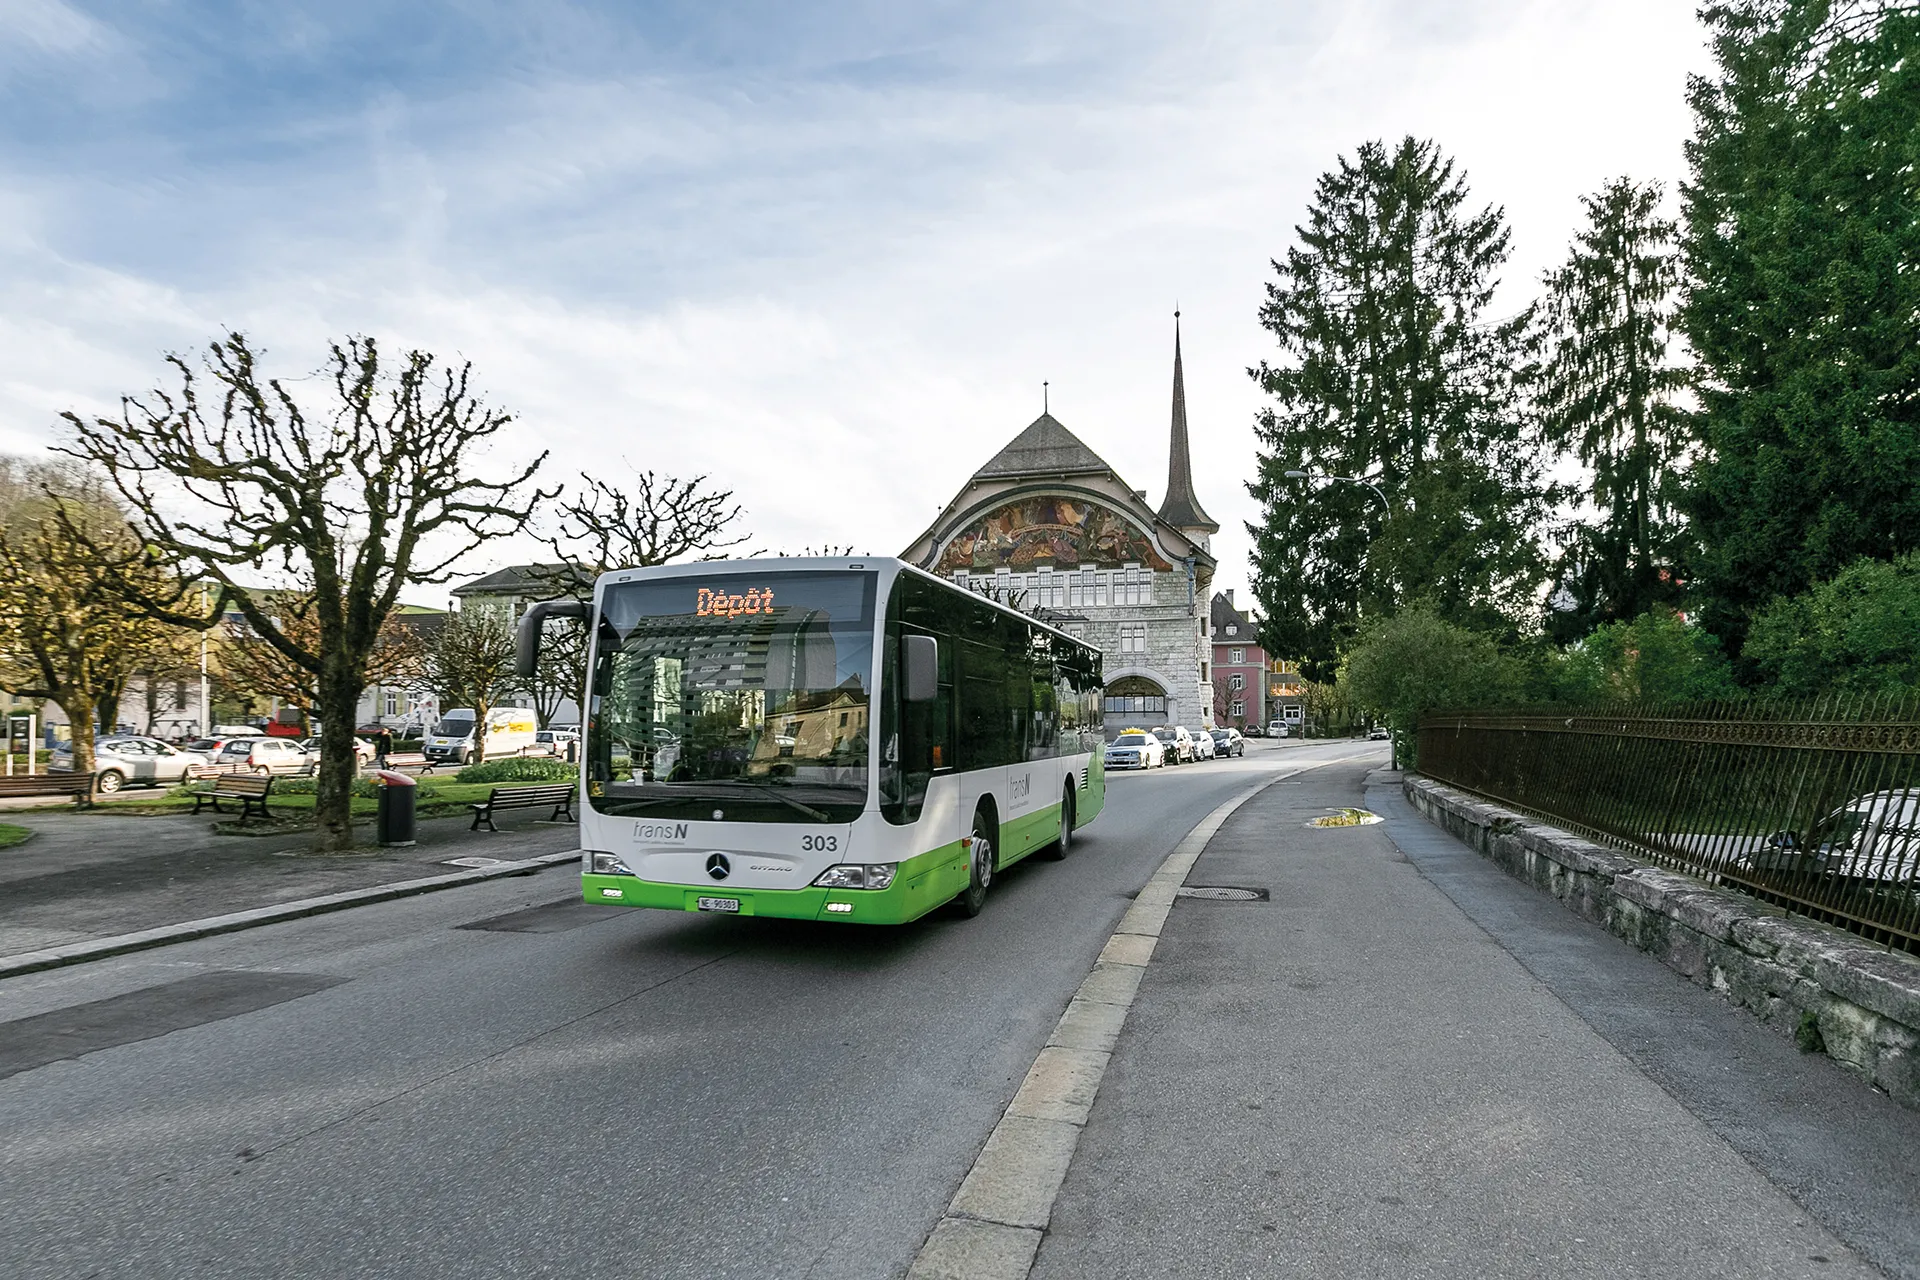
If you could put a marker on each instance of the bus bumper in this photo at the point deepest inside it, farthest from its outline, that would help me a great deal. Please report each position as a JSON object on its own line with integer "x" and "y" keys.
{"x": 908, "y": 898}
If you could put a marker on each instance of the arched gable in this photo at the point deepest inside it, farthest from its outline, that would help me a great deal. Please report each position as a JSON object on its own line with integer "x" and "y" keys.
{"x": 1059, "y": 529}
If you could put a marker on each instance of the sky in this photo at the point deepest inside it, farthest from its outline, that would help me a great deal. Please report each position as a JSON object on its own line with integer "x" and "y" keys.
{"x": 822, "y": 254}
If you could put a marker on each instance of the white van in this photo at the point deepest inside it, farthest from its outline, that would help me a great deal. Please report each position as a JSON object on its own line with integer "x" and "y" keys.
{"x": 511, "y": 731}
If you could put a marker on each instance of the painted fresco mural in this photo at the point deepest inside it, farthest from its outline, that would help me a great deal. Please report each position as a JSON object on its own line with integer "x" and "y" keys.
{"x": 1051, "y": 529}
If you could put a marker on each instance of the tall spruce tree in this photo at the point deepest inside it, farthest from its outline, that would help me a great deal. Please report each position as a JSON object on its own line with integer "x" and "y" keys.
{"x": 1606, "y": 394}
{"x": 1803, "y": 311}
{"x": 1392, "y": 370}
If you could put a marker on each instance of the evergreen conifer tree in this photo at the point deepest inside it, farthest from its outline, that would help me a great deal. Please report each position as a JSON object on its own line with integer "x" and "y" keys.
{"x": 1802, "y": 243}
{"x": 1392, "y": 370}
{"x": 1607, "y": 395}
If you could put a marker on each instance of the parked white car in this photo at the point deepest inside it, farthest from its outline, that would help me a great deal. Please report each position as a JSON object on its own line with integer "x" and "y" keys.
{"x": 1177, "y": 741}
{"x": 1135, "y": 749}
{"x": 1202, "y": 745}
{"x": 265, "y": 756}
{"x": 132, "y": 761}
{"x": 1872, "y": 837}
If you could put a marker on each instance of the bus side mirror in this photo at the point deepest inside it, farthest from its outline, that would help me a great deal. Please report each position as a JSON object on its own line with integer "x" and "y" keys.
{"x": 919, "y": 668}
{"x": 526, "y": 641}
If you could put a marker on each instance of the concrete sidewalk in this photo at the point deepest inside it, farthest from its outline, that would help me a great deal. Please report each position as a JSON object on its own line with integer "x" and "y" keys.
{"x": 1364, "y": 1077}
{"x": 87, "y": 875}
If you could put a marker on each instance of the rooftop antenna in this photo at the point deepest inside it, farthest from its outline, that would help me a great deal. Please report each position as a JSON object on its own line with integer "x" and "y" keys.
{"x": 1044, "y": 406}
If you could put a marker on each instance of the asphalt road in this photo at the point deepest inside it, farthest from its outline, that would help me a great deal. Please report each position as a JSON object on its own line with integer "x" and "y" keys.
{"x": 570, "y": 1090}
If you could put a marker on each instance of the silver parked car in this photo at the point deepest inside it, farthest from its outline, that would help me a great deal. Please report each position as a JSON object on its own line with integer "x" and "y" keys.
{"x": 133, "y": 761}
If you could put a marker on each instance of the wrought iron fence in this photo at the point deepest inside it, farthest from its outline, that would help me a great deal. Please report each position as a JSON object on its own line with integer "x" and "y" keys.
{"x": 1812, "y": 806}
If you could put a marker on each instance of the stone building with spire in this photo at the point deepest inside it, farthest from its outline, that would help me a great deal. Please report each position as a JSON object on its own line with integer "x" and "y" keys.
{"x": 1047, "y": 524}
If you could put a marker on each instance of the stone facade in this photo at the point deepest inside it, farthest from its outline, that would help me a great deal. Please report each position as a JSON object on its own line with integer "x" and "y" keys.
{"x": 1049, "y": 526}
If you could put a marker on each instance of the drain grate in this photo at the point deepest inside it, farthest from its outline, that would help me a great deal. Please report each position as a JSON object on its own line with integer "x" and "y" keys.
{"x": 1220, "y": 893}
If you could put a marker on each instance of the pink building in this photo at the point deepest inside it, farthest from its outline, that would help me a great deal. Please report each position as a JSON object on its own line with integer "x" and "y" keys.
{"x": 1239, "y": 666}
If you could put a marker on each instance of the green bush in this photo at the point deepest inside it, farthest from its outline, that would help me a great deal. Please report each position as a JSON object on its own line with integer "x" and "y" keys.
{"x": 1858, "y": 633}
{"x": 1415, "y": 662}
{"x": 516, "y": 769}
{"x": 1656, "y": 657}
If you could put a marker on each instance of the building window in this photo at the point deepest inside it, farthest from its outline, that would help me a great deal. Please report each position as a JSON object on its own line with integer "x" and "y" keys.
{"x": 1233, "y": 630}
{"x": 1237, "y": 709}
{"x": 1236, "y": 683}
{"x": 1133, "y": 639}
{"x": 1237, "y": 656}
{"x": 392, "y": 703}
{"x": 1132, "y": 585}
{"x": 1137, "y": 705}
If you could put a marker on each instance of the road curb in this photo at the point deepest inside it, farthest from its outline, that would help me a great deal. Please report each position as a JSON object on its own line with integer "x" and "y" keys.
{"x": 234, "y": 922}
{"x": 993, "y": 1227}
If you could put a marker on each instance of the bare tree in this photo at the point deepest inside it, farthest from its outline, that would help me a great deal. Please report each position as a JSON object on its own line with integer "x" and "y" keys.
{"x": 251, "y": 663}
{"x": 470, "y": 664}
{"x": 660, "y": 521}
{"x": 355, "y": 502}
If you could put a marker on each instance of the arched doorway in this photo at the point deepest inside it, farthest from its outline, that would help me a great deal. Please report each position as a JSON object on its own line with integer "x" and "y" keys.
{"x": 1134, "y": 702}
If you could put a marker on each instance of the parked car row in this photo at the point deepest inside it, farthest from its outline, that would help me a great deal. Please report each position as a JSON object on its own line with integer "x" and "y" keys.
{"x": 1171, "y": 744}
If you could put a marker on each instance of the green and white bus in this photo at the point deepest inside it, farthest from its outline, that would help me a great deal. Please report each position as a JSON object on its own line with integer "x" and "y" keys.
{"x": 822, "y": 739}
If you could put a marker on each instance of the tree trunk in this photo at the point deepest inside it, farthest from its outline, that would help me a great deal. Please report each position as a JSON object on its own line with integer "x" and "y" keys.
{"x": 339, "y": 766}
{"x": 481, "y": 709}
{"x": 79, "y": 707}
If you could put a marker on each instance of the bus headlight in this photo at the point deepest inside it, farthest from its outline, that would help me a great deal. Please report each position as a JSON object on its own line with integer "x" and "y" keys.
{"x": 607, "y": 864}
{"x": 853, "y": 875}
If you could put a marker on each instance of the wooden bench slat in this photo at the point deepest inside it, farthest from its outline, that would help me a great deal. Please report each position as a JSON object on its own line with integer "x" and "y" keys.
{"x": 250, "y": 789}
{"x": 559, "y": 795}
{"x": 77, "y": 785}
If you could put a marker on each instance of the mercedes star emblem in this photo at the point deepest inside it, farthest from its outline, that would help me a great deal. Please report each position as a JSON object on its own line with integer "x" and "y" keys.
{"x": 718, "y": 867}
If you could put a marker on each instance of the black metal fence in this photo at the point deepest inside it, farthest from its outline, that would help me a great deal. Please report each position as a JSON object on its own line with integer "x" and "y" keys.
{"x": 1812, "y": 806}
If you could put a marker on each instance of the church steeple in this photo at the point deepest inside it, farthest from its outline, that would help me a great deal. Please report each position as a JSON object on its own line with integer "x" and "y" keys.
{"x": 1181, "y": 509}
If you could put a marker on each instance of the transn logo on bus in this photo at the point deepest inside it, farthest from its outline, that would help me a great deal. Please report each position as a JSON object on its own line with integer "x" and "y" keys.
{"x": 718, "y": 604}
{"x": 659, "y": 831}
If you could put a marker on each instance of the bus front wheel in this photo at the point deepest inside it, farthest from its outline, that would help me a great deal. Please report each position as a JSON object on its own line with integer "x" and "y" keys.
{"x": 980, "y": 854}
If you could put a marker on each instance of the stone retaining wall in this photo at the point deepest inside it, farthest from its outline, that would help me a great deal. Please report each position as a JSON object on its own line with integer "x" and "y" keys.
{"x": 1790, "y": 972}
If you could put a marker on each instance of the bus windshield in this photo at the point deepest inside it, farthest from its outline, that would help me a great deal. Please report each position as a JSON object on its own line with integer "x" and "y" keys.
{"x": 737, "y": 696}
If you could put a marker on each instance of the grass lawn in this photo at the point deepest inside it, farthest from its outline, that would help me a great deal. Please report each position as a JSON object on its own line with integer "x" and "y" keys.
{"x": 11, "y": 835}
{"x": 433, "y": 798}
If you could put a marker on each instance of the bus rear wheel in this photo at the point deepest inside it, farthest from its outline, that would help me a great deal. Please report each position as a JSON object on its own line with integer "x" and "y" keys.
{"x": 980, "y": 855}
{"x": 1063, "y": 846}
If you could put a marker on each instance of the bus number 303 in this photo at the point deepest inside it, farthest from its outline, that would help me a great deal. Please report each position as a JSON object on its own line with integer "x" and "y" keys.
{"x": 820, "y": 844}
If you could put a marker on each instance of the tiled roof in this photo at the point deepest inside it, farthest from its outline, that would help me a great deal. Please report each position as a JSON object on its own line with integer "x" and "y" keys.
{"x": 1045, "y": 448}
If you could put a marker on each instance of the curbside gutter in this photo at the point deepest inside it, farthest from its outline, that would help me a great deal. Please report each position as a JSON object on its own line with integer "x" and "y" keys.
{"x": 235, "y": 921}
{"x": 1790, "y": 972}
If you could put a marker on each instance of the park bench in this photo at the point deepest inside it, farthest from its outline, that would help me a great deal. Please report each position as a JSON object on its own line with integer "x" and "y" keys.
{"x": 77, "y": 785}
{"x": 410, "y": 760}
{"x": 559, "y": 795}
{"x": 250, "y": 789}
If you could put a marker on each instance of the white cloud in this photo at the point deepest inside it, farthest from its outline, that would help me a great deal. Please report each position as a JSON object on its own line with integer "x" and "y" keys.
{"x": 839, "y": 296}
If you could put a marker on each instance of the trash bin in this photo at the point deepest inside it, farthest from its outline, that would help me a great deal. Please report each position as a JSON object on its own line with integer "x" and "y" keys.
{"x": 394, "y": 819}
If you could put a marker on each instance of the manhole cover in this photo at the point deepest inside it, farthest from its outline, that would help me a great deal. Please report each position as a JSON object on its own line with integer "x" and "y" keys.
{"x": 1220, "y": 893}
{"x": 473, "y": 862}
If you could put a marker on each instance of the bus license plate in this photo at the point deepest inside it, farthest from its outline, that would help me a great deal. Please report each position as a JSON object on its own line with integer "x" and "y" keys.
{"x": 717, "y": 904}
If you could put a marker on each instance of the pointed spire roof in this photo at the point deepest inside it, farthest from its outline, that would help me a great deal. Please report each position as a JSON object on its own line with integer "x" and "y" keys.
{"x": 1045, "y": 448}
{"x": 1181, "y": 509}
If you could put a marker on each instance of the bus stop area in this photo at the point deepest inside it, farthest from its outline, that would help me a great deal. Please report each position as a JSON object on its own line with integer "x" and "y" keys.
{"x": 82, "y": 876}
